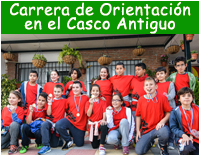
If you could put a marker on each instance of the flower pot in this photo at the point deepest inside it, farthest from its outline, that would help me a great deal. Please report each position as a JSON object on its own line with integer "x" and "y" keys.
{"x": 38, "y": 63}
{"x": 194, "y": 56}
{"x": 138, "y": 51}
{"x": 182, "y": 47}
{"x": 173, "y": 49}
{"x": 189, "y": 37}
{"x": 8, "y": 56}
{"x": 83, "y": 71}
{"x": 18, "y": 85}
{"x": 103, "y": 60}
{"x": 163, "y": 64}
{"x": 69, "y": 59}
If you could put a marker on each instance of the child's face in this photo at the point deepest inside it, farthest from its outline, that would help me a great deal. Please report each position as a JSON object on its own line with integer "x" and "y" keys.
{"x": 180, "y": 67}
{"x": 139, "y": 71}
{"x": 57, "y": 92}
{"x": 186, "y": 99}
{"x": 161, "y": 75}
{"x": 103, "y": 73}
{"x": 116, "y": 102}
{"x": 33, "y": 77}
{"x": 119, "y": 70}
{"x": 95, "y": 91}
{"x": 41, "y": 101}
{"x": 76, "y": 89}
{"x": 13, "y": 99}
{"x": 150, "y": 86}
{"x": 54, "y": 76}
{"x": 74, "y": 75}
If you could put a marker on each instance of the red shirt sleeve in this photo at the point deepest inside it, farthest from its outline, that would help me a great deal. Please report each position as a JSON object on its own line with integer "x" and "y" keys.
{"x": 2, "y": 114}
{"x": 67, "y": 103}
{"x": 167, "y": 107}
{"x": 44, "y": 89}
{"x": 63, "y": 88}
{"x": 104, "y": 107}
{"x": 20, "y": 113}
{"x": 67, "y": 86}
{"x": 138, "y": 109}
{"x": 87, "y": 105}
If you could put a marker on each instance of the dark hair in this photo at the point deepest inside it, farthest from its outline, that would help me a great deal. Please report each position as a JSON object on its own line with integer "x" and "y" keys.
{"x": 180, "y": 58}
{"x": 78, "y": 82}
{"x": 78, "y": 72}
{"x": 56, "y": 72}
{"x": 183, "y": 91}
{"x": 142, "y": 65}
{"x": 58, "y": 86}
{"x": 33, "y": 71}
{"x": 19, "y": 96}
{"x": 44, "y": 95}
{"x": 119, "y": 95}
{"x": 150, "y": 79}
{"x": 99, "y": 77}
{"x": 95, "y": 85}
{"x": 120, "y": 64}
{"x": 159, "y": 69}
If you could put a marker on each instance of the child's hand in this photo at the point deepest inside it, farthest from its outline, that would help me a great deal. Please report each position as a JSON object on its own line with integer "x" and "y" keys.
{"x": 95, "y": 81}
{"x": 31, "y": 108}
{"x": 138, "y": 135}
{"x": 186, "y": 140}
{"x": 103, "y": 122}
{"x": 91, "y": 100}
{"x": 156, "y": 79}
{"x": 109, "y": 108}
{"x": 160, "y": 125}
{"x": 165, "y": 94}
{"x": 103, "y": 98}
{"x": 12, "y": 108}
{"x": 49, "y": 99}
{"x": 70, "y": 87}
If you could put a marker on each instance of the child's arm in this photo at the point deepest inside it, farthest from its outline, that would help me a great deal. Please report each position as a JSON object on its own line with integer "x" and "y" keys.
{"x": 29, "y": 118}
{"x": 171, "y": 92}
{"x": 49, "y": 99}
{"x": 163, "y": 121}
{"x": 192, "y": 81}
{"x": 138, "y": 123}
{"x": 15, "y": 115}
{"x": 103, "y": 121}
{"x": 89, "y": 112}
{"x": 109, "y": 117}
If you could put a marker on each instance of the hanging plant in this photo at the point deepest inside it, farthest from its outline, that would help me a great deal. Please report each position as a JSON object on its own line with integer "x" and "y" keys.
{"x": 139, "y": 51}
{"x": 8, "y": 56}
{"x": 189, "y": 37}
{"x": 194, "y": 54}
{"x": 105, "y": 60}
{"x": 39, "y": 61}
{"x": 69, "y": 55}
{"x": 173, "y": 49}
{"x": 182, "y": 45}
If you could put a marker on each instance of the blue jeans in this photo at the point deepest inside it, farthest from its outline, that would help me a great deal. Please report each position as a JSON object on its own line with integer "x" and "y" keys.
{"x": 145, "y": 142}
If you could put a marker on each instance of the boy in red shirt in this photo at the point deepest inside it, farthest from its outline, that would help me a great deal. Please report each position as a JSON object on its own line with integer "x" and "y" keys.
{"x": 121, "y": 83}
{"x": 152, "y": 113}
{"x": 30, "y": 91}
{"x": 55, "y": 111}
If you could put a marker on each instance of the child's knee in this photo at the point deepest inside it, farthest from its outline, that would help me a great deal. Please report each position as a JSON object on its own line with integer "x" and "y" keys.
{"x": 164, "y": 132}
{"x": 111, "y": 139}
{"x": 124, "y": 122}
{"x": 14, "y": 125}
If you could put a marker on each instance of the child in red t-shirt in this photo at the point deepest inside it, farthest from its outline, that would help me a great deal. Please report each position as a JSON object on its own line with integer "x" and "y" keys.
{"x": 75, "y": 74}
{"x": 76, "y": 118}
{"x": 120, "y": 123}
{"x": 105, "y": 85}
{"x": 34, "y": 119}
{"x": 152, "y": 113}
{"x": 184, "y": 123}
{"x": 95, "y": 109}
{"x": 55, "y": 111}
{"x": 121, "y": 83}
{"x": 11, "y": 118}
{"x": 49, "y": 86}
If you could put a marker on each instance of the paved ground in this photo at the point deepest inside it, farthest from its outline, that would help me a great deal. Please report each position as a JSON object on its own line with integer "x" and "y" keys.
{"x": 87, "y": 150}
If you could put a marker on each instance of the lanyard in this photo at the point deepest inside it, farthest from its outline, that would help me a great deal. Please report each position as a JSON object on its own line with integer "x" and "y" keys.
{"x": 39, "y": 111}
{"x": 190, "y": 128}
{"x": 78, "y": 104}
{"x": 96, "y": 102}
{"x": 150, "y": 97}
{"x": 116, "y": 112}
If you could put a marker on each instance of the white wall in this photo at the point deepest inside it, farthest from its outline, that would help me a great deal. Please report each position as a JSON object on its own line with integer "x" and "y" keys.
{"x": 3, "y": 65}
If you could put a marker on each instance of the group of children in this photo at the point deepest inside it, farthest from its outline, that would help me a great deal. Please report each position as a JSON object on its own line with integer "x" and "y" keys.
{"x": 164, "y": 109}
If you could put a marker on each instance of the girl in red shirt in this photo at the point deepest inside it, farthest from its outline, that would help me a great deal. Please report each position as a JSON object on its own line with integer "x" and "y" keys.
{"x": 75, "y": 74}
{"x": 11, "y": 118}
{"x": 105, "y": 85}
{"x": 96, "y": 111}
{"x": 49, "y": 86}
{"x": 120, "y": 123}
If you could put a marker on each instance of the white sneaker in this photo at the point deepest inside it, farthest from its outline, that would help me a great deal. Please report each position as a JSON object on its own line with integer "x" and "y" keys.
{"x": 102, "y": 150}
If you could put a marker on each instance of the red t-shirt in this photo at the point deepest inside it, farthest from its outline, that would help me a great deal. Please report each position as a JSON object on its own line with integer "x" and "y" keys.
{"x": 31, "y": 94}
{"x": 78, "y": 121}
{"x": 7, "y": 117}
{"x": 57, "y": 110}
{"x": 182, "y": 80}
{"x": 97, "y": 110}
{"x": 163, "y": 87}
{"x": 106, "y": 88}
{"x": 71, "y": 92}
{"x": 37, "y": 113}
{"x": 49, "y": 87}
{"x": 195, "y": 124}
{"x": 137, "y": 87}
{"x": 152, "y": 113}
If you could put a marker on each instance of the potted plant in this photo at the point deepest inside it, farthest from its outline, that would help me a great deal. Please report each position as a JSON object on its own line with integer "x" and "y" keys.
{"x": 8, "y": 56}
{"x": 66, "y": 79}
{"x": 194, "y": 54}
{"x": 182, "y": 45}
{"x": 105, "y": 60}
{"x": 189, "y": 37}
{"x": 150, "y": 73}
{"x": 39, "y": 61}
{"x": 18, "y": 84}
{"x": 82, "y": 68}
{"x": 69, "y": 55}
{"x": 164, "y": 59}
{"x": 139, "y": 51}
{"x": 93, "y": 79}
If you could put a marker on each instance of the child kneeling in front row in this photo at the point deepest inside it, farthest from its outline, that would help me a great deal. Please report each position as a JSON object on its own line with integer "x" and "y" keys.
{"x": 120, "y": 123}
{"x": 152, "y": 113}
{"x": 184, "y": 123}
